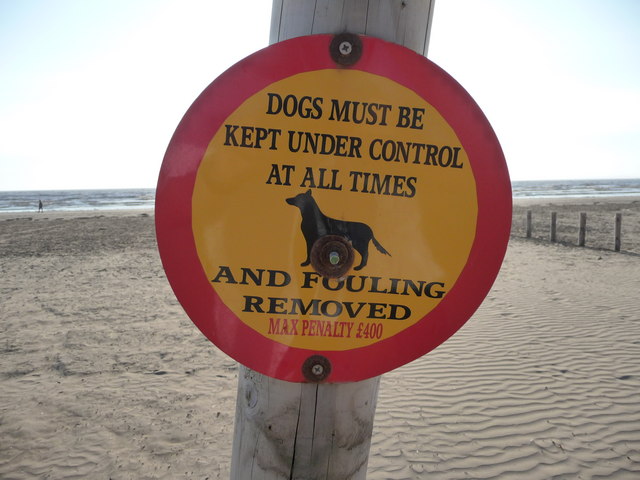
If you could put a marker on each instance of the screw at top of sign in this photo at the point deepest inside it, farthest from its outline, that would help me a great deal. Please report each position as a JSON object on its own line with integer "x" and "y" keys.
{"x": 346, "y": 48}
{"x": 317, "y": 369}
{"x": 334, "y": 258}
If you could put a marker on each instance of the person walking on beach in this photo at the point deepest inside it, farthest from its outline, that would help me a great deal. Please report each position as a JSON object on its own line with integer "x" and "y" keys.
{"x": 40, "y": 206}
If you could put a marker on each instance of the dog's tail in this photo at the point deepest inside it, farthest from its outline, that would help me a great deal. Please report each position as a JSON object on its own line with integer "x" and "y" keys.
{"x": 378, "y": 246}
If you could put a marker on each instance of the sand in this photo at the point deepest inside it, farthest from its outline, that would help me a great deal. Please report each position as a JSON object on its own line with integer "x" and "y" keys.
{"x": 103, "y": 376}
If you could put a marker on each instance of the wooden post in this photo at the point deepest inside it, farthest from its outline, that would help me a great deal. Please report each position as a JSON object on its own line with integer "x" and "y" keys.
{"x": 618, "y": 232}
{"x": 583, "y": 230}
{"x": 552, "y": 230}
{"x": 529, "y": 224}
{"x": 406, "y": 23}
{"x": 289, "y": 430}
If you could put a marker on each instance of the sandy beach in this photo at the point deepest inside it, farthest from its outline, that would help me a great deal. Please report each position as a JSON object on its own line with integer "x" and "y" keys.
{"x": 103, "y": 376}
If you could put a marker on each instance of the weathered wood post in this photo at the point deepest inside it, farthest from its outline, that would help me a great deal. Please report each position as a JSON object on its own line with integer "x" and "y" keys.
{"x": 289, "y": 430}
{"x": 583, "y": 229}
{"x": 528, "y": 227}
{"x": 552, "y": 230}
{"x": 406, "y": 23}
{"x": 618, "y": 232}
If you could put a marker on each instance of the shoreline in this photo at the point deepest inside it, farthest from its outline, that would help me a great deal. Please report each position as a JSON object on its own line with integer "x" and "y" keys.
{"x": 68, "y": 214}
{"x": 583, "y": 200}
{"x": 600, "y": 210}
{"x": 517, "y": 202}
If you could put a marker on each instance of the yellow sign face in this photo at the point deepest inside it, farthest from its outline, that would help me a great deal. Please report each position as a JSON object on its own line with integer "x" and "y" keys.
{"x": 341, "y": 152}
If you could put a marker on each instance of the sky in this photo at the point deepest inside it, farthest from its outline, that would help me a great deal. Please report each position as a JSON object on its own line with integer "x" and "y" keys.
{"x": 91, "y": 91}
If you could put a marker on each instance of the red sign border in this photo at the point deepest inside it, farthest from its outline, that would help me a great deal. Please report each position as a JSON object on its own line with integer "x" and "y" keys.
{"x": 222, "y": 97}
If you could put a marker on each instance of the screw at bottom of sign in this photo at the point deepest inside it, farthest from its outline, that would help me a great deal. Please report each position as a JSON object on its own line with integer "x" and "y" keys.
{"x": 345, "y": 48}
{"x": 316, "y": 368}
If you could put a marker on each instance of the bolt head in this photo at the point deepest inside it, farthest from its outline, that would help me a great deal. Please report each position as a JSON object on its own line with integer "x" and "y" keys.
{"x": 332, "y": 256}
{"x": 346, "y": 48}
{"x": 316, "y": 368}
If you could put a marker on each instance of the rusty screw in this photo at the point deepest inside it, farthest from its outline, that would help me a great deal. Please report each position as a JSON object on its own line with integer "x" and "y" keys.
{"x": 316, "y": 368}
{"x": 346, "y": 49}
{"x": 332, "y": 256}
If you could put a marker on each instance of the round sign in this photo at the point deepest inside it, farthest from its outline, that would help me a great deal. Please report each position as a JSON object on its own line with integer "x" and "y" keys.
{"x": 330, "y": 214}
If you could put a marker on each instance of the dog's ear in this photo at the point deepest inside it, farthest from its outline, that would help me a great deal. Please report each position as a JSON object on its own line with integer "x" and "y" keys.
{"x": 308, "y": 192}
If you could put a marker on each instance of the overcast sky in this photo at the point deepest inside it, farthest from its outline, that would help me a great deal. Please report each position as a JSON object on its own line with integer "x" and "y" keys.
{"x": 91, "y": 91}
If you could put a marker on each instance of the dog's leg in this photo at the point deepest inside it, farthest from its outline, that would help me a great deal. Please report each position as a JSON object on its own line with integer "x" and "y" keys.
{"x": 308, "y": 260}
{"x": 363, "y": 250}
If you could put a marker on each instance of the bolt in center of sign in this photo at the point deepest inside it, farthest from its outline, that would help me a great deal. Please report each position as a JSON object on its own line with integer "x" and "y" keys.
{"x": 332, "y": 256}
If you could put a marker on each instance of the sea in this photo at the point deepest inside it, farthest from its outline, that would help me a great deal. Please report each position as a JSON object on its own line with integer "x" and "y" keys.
{"x": 78, "y": 200}
{"x": 144, "y": 198}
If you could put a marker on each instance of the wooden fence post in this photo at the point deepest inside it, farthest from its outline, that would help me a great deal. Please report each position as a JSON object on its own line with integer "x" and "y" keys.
{"x": 552, "y": 230}
{"x": 583, "y": 229}
{"x": 289, "y": 430}
{"x": 618, "y": 233}
{"x": 529, "y": 228}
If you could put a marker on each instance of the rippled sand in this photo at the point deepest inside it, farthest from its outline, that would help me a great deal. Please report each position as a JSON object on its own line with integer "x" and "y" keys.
{"x": 103, "y": 376}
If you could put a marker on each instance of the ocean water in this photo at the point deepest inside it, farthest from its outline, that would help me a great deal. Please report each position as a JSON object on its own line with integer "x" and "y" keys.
{"x": 144, "y": 198}
{"x": 78, "y": 200}
{"x": 576, "y": 188}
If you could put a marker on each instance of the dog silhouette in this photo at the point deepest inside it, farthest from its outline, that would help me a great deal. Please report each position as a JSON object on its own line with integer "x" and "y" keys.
{"x": 315, "y": 224}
